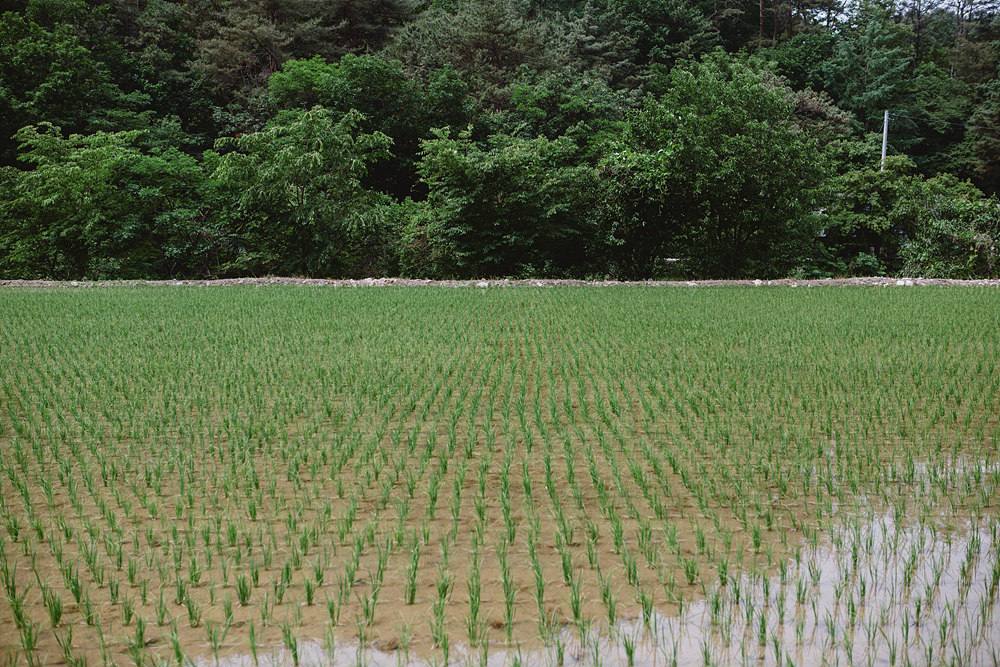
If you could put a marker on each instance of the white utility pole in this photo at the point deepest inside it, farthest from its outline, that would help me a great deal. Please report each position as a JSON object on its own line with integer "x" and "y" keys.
{"x": 885, "y": 137}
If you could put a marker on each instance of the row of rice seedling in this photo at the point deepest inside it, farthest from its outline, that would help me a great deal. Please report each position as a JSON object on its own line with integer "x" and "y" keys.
{"x": 208, "y": 474}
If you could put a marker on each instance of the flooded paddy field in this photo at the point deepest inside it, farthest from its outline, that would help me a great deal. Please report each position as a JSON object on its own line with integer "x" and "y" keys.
{"x": 624, "y": 476}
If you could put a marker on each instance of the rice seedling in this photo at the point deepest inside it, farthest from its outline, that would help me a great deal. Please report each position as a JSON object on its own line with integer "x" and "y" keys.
{"x": 509, "y": 592}
{"x": 53, "y": 604}
{"x": 30, "y": 633}
{"x": 289, "y": 636}
{"x": 367, "y": 601}
{"x": 444, "y": 586}
{"x": 253, "y": 642}
{"x": 474, "y": 591}
{"x": 216, "y": 636}
{"x": 194, "y": 611}
{"x": 310, "y": 587}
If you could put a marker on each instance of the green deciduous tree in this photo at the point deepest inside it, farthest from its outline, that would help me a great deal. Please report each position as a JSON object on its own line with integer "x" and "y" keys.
{"x": 714, "y": 172}
{"x": 297, "y": 205}
{"x": 516, "y": 207}
{"x": 872, "y": 212}
{"x": 48, "y": 74}
{"x": 957, "y": 235}
{"x": 101, "y": 206}
{"x": 90, "y": 67}
{"x": 390, "y": 102}
{"x": 553, "y": 103}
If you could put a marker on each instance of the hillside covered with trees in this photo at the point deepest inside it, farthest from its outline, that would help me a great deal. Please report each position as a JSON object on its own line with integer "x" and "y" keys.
{"x": 492, "y": 138}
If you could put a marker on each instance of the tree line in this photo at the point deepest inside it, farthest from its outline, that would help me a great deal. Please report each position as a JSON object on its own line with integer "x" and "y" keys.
{"x": 486, "y": 138}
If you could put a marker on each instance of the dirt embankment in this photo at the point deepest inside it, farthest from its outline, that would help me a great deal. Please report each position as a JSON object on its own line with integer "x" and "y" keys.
{"x": 406, "y": 282}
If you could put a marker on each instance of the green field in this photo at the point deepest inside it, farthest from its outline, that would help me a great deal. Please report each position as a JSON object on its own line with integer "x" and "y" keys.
{"x": 601, "y": 476}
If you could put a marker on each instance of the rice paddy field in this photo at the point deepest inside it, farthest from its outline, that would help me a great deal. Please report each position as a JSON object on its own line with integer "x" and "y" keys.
{"x": 572, "y": 476}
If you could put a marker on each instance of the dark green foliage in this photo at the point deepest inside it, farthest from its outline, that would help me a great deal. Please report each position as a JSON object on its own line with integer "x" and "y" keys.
{"x": 164, "y": 37}
{"x": 958, "y": 235}
{"x": 248, "y": 40}
{"x": 712, "y": 173}
{"x": 932, "y": 125}
{"x": 867, "y": 70}
{"x": 490, "y": 42}
{"x": 389, "y": 101}
{"x": 801, "y": 59}
{"x": 896, "y": 220}
{"x": 102, "y": 207}
{"x": 984, "y": 137}
{"x": 296, "y": 204}
{"x": 665, "y": 31}
{"x": 602, "y": 44}
{"x": 932, "y": 29}
{"x": 49, "y": 75}
{"x": 562, "y": 101}
{"x": 602, "y": 137}
{"x": 518, "y": 207}
{"x": 424, "y": 246}
{"x": 872, "y": 212}
{"x": 817, "y": 117}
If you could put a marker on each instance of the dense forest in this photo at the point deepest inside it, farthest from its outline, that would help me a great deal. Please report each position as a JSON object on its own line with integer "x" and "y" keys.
{"x": 628, "y": 139}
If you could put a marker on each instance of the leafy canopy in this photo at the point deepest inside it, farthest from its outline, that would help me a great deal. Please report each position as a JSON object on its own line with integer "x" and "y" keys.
{"x": 714, "y": 171}
{"x": 297, "y": 198}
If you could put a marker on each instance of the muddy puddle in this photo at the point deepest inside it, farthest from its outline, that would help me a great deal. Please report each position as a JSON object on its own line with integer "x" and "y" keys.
{"x": 874, "y": 592}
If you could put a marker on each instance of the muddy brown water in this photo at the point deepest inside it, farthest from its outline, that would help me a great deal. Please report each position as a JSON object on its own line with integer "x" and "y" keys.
{"x": 883, "y": 595}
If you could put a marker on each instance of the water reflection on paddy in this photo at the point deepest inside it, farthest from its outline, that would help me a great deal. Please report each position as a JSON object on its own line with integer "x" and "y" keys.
{"x": 874, "y": 592}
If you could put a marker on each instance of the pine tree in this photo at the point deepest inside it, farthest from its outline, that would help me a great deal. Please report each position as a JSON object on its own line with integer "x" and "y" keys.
{"x": 487, "y": 41}
{"x": 250, "y": 39}
{"x": 868, "y": 70}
